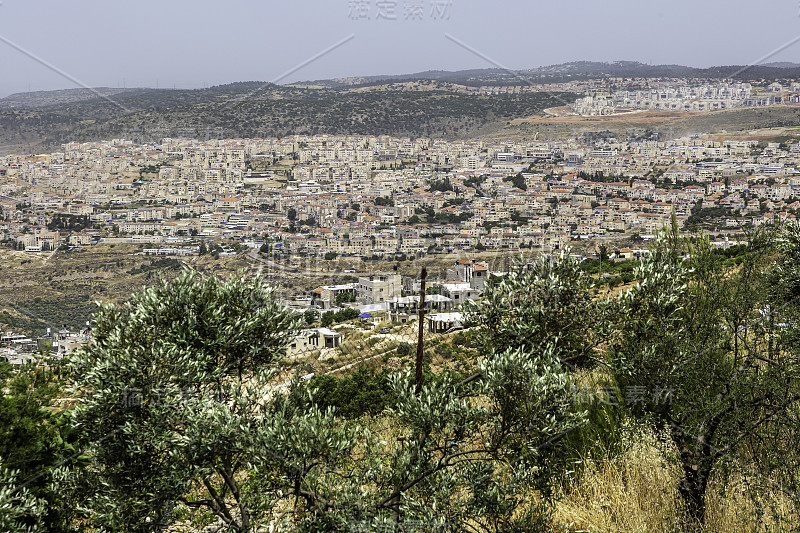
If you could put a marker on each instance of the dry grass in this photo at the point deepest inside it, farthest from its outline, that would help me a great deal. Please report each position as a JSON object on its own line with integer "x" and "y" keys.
{"x": 637, "y": 491}
{"x": 640, "y": 117}
{"x": 732, "y": 508}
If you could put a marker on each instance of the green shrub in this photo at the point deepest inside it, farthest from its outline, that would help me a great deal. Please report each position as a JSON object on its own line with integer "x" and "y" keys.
{"x": 365, "y": 391}
{"x": 404, "y": 349}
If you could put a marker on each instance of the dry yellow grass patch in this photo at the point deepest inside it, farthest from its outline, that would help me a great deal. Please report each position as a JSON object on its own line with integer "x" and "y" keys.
{"x": 637, "y": 491}
{"x": 733, "y": 509}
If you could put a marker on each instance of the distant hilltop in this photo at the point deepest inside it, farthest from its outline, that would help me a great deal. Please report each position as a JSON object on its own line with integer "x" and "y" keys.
{"x": 62, "y": 96}
{"x": 462, "y": 104}
{"x": 572, "y": 71}
{"x": 562, "y": 72}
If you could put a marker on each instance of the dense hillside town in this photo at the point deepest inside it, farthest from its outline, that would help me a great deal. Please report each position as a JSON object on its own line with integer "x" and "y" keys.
{"x": 379, "y": 196}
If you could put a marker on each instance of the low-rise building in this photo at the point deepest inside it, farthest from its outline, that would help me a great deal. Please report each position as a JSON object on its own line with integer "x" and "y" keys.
{"x": 378, "y": 288}
{"x": 311, "y": 340}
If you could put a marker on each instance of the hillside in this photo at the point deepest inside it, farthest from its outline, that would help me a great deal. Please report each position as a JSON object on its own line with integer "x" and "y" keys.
{"x": 63, "y": 96}
{"x": 578, "y": 70}
{"x": 784, "y": 120}
{"x": 432, "y": 103}
{"x": 261, "y": 110}
{"x": 51, "y": 290}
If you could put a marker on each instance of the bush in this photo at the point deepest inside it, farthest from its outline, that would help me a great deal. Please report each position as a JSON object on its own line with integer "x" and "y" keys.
{"x": 329, "y": 317}
{"x": 461, "y": 340}
{"x": 365, "y": 391}
{"x": 311, "y": 316}
{"x": 404, "y": 349}
{"x": 443, "y": 351}
{"x": 601, "y": 435}
{"x": 348, "y": 314}
{"x": 344, "y": 297}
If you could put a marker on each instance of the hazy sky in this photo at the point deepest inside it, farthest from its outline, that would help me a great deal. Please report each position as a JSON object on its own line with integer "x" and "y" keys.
{"x": 196, "y": 43}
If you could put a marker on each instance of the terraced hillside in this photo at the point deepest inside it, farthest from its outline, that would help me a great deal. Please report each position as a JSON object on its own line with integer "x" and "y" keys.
{"x": 40, "y": 291}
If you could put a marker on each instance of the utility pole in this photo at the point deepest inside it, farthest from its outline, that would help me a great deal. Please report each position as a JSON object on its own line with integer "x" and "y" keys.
{"x": 418, "y": 380}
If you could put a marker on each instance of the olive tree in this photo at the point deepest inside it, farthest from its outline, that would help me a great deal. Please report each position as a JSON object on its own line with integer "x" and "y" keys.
{"x": 20, "y": 510}
{"x": 482, "y": 449}
{"x": 464, "y": 454}
{"x": 177, "y": 403}
{"x": 169, "y": 393}
{"x": 699, "y": 350}
{"x": 547, "y": 301}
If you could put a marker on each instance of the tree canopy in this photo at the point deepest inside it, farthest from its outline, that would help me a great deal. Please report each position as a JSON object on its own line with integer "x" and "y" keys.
{"x": 713, "y": 350}
{"x": 186, "y": 402}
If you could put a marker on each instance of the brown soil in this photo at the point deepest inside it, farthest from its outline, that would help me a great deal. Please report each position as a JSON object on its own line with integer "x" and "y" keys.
{"x": 640, "y": 117}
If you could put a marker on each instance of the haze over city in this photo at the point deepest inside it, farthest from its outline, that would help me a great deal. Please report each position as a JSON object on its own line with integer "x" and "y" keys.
{"x": 58, "y": 45}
